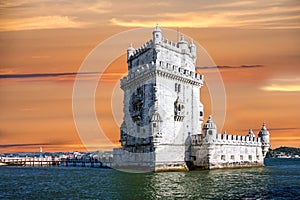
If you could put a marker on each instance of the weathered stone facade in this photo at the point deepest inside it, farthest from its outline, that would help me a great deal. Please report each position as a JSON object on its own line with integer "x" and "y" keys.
{"x": 211, "y": 150}
{"x": 163, "y": 115}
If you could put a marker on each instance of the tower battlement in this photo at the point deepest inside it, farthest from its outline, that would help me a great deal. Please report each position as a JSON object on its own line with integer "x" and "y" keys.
{"x": 228, "y": 139}
{"x": 182, "y": 53}
{"x": 169, "y": 44}
{"x": 162, "y": 69}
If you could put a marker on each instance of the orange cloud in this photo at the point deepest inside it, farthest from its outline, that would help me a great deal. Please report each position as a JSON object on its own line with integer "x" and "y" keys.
{"x": 264, "y": 17}
{"x": 40, "y": 22}
{"x": 286, "y": 88}
{"x": 284, "y": 85}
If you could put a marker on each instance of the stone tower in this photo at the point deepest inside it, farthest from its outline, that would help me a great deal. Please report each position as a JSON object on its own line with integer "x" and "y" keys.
{"x": 162, "y": 105}
{"x": 163, "y": 115}
{"x": 265, "y": 139}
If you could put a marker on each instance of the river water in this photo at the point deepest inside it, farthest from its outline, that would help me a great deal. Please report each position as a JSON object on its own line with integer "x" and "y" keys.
{"x": 279, "y": 179}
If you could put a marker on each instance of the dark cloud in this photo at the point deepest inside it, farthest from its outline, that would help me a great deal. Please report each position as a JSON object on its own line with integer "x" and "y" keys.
{"x": 49, "y": 143}
{"x": 271, "y": 129}
{"x": 230, "y": 67}
{"x": 2, "y": 146}
{"x": 41, "y": 75}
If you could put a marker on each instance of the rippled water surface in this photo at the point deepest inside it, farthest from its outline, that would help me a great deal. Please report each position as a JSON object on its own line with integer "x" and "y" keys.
{"x": 279, "y": 179}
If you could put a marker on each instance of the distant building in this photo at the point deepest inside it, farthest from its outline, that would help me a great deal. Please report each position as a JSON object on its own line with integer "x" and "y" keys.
{"x": 163, "y": 115}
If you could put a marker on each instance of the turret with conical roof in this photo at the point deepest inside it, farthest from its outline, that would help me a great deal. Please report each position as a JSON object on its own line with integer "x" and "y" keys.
{"x": 210, "y": 128}
{"x": 157, "y": 35}
{"x": 265, "y": 139}
{"x": 130, "y": 51}
{"x": 193, "y": 49}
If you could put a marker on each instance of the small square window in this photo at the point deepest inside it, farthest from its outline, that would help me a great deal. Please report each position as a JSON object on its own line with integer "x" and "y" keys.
{"x": 201, "y": 113}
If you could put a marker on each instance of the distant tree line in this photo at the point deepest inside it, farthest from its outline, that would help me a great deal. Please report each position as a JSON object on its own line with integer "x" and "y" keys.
{"x": 288, "y": 151}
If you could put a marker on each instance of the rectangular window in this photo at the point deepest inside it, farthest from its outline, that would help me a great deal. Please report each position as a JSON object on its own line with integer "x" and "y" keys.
{"x": 222, "y": 157}
{"x": 241, "y": 157}
{"x": 232, "y": 157}
{"x": 250, "y": 157}
{"x": 154, "y": 125}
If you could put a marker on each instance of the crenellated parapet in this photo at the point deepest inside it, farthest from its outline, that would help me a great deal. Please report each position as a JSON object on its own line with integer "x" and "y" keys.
{"x": 142, "y": 49}
{"x": 163, "y": 69}
{"x": 210, "y": 136}
{"x": 159, "y": 49}
{"x": 189, "y": 49}
{"x": 227, "y": 139}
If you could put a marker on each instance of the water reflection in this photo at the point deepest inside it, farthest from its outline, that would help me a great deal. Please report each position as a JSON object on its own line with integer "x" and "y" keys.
{"x": 229, "y": 183}
{"x": 280, "y": 179}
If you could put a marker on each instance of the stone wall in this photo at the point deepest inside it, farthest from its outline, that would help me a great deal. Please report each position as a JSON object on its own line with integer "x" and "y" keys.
{"x": 226, "y": 151}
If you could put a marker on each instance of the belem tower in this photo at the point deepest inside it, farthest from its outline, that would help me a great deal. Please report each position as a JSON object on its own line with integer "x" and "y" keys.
{"x": 163, "y": 115}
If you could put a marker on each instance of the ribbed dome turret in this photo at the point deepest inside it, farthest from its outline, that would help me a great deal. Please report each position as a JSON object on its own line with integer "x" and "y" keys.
{"x": 209, "y": 124}
{"x": 263, "y": 131}
{"x": 265, "y": 139}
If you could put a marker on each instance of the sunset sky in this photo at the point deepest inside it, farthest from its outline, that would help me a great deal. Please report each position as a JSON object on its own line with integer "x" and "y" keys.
{"x": 256, "y": 45}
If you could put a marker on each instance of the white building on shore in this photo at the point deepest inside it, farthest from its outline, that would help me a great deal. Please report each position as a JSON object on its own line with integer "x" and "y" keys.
{"x": 163, "y": 115}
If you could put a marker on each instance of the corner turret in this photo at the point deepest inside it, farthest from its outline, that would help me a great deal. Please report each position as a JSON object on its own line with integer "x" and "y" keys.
{"x": 210, "y": 129}
{"x": 193, "y": 49}
{"x": 157, "y": 35}
{"x": 182, "y": 44}
{"x": 265, "y": 139}
{"x": 130, "y": 51}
